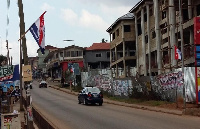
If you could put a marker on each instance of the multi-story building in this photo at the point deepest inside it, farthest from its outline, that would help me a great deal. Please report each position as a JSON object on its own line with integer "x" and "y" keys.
{"x": 41, "y": 57}
{"x": 33, "y": 61}
{"x": 122, "y": 46}
{"x": 157, "y": 31}
{"x": 61, "y": 60}
{"x": 97, "y": 56}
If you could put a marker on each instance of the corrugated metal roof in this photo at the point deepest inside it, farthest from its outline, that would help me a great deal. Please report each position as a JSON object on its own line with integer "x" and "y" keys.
{"x": 124, "y": 17}
{"x": 99, "y": 46}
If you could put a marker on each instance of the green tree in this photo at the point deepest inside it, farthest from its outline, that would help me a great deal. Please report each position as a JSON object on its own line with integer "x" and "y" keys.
{"x": 2, "y": 58}
{"x": 104, "y": 40}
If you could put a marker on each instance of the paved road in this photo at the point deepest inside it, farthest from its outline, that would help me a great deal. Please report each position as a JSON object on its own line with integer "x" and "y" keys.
{"x": 65, "y": 112}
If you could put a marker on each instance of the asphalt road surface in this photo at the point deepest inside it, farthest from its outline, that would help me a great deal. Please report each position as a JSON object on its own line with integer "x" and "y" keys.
{"x": 64, "y": 111}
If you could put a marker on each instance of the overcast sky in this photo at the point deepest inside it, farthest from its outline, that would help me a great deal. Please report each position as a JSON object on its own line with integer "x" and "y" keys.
{"x": 84, "y": 21}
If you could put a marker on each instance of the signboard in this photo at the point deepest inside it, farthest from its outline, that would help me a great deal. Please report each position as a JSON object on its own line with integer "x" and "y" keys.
{"x": 197, "y": 30}
{"x": 198, "y": 94}
{"x": 198, "y": 72}
{"x": 76, "y": 69}
{"x": 10, "y": 121}
{"x": 197, "y": 48}
{"x": 27, "y": 73}
{"x": 6, "y": 72}
{"x": 198, "y": 55}
{"x": 197, "y": 62}
{"x": 9, "y": 77}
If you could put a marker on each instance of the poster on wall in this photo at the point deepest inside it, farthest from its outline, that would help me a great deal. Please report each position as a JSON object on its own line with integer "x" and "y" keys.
{"x": 27, "y": 73}
{"x": 198, "y": 85}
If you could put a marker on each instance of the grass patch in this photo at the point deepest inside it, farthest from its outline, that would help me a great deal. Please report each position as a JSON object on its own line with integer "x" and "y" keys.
{"x": 139, "y": 101}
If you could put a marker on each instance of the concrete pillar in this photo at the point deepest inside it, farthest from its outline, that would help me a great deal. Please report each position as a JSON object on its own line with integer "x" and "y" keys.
{"x": 116, "y": 53}
{"x": 172, "y": 22}
{"x": 143, "y": 43}
{"x": 110, "y": 52}
{"x": 124, "y": 62}
{"x": 190, "y": 9}
{"x": 100, "y": 65}
{"x": 149, "y": 43}
{"x": 136, "y": 41}
{"x": 158, "y": 37}
{"x": 116, "y": 60}
{"x": 117, "y": 71}
{"x": 122, "y": 29}
{"x": 190, "y": 17}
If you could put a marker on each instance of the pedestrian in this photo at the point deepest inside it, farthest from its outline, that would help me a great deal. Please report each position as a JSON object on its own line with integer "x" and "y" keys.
{"x": 62, "y": 81}
{"x": 1, "y": 93}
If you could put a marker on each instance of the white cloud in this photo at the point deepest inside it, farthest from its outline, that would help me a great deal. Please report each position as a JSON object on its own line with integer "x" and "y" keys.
{"x": 111, "y": 3}
{"x": 92, "y": 21}
{"x": 47, "y": 7}
{"x": 116, "y": 11}
{"x": 69, "y": 16}
{"x": 86, "y": 19}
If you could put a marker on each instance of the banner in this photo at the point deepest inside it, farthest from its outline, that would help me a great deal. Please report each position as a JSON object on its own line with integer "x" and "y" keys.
{"x": 6, "y": 72}
{"x": 9, "y": 77}
{"x": 197, "y": 30}
{"x": 27, "y": 73}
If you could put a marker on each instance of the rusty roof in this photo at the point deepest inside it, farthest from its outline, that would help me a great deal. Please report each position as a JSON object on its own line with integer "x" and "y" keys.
{"x": 99, "y": 46}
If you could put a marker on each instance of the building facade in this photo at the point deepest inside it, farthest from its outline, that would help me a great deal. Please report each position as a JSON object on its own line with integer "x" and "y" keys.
{"x": 41, "y": 57}
{"x": 97, "y": 56}
{"x": 157, "y": 31}
{"x": 122, "y": 46}
{"x": 63, "y": 59}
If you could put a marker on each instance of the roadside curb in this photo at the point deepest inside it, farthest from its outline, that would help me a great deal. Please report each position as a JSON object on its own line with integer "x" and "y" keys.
{"x": 155, "y": 109}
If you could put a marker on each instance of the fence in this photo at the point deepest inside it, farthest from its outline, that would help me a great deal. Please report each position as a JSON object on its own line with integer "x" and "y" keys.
{"x": 168, "y": 86}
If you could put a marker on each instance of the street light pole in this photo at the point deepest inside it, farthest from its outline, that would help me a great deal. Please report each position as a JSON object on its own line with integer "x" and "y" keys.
{"x": 182, "y": 49}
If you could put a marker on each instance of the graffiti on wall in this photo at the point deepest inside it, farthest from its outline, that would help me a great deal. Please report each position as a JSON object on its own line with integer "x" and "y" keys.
{"x": 122, "y": 87}
{"x": 103, "y": 82}
{"x": 171, "y": 80}
{"x": 106, "y": 83}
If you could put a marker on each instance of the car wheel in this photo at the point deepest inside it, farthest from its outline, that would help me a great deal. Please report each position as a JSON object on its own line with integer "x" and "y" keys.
{"x": 100, "y": 104}
{"x": 85, "y": 102}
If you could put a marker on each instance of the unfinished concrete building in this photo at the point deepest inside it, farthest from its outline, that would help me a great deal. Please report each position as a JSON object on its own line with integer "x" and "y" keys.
{"x": 122, "y": 46}
{"x": 157, "y": 31}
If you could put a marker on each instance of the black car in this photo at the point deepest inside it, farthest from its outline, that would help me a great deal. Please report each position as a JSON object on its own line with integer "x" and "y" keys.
{"x": 90, "y": 95}
{"x": 43, "y": 84}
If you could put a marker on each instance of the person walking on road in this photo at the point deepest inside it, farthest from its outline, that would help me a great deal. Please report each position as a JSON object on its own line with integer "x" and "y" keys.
{"x": 62, "y": 82}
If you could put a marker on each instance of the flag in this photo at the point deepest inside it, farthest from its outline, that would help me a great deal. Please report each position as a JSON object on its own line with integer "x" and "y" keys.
{"x": 177, "y": 53}
{"x": 38, "y": 31}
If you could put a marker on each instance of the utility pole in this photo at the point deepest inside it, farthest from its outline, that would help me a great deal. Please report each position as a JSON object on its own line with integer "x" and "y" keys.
{"x": 182, "y": 49}
{"x": 22, "y": 31}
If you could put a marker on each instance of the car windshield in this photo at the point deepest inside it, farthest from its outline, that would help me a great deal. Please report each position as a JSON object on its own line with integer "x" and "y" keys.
{"x": 93, "y": 90}
{"x": 43, "y": 82}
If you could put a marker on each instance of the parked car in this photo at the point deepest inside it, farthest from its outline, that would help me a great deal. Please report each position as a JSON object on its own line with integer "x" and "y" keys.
{"x": 90, "y": 95}
{"x": 43, "y": 84}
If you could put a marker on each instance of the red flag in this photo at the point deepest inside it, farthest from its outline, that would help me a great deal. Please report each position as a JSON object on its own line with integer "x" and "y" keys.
{"x": 177, "y": 53}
